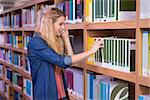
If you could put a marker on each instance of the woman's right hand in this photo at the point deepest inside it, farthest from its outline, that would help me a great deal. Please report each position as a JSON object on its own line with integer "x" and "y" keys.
{"x": 98, "y": 44}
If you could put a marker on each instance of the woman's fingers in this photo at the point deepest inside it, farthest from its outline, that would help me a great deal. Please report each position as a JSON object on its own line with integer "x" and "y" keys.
{"x": 99, "y": 41}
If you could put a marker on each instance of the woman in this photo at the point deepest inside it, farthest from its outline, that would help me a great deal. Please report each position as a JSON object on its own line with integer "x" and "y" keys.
{"x": 47, "y": 59}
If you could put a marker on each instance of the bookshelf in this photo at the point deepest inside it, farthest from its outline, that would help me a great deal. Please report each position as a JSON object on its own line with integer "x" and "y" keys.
{"x": 138, "y": 84}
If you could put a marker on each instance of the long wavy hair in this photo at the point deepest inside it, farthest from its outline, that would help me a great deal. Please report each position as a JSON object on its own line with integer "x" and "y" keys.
{"x": 45, "y": 28}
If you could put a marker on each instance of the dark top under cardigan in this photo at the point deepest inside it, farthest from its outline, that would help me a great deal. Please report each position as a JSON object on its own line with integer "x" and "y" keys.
{"x": 42, "y": 60}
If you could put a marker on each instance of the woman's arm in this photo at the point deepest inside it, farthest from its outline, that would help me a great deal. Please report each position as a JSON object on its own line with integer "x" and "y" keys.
{"x": 68, "y": 46}
{"x": 78, "y": 57}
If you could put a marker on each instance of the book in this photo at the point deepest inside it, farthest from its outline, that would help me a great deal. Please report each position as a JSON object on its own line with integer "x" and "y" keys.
{"x": 144, "y": 9}
{"x": 117, "y": 54}
{"x": 145, "y": 54}
{"x": 144, "y": 97}
{"x": 28, "y": 90}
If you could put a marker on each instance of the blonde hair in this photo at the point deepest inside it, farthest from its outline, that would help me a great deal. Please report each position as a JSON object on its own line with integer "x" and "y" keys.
{"x": 45, "y": 28}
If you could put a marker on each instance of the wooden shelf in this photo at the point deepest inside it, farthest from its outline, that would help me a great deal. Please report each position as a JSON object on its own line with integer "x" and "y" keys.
{"x": 13, "y": 29}
{"x": 145, "y": 81}
{"x": 75, "y": 26}
{"x": 14, "y": 49}
{"x": 144, "y": 23}
{"x": 7, "y": 29}
{"x": 41, "y": 1}
{"x": 112, "y": 73}
{"x": 19, "y": 70}
{"x": 112, "y": 25}
{"x": 16, "y": 89}
{"x": 28, "y": 29}
{"x": 18, "y": 29}
{"x": 80, "y": 65}
{"x": 29, "y": 3}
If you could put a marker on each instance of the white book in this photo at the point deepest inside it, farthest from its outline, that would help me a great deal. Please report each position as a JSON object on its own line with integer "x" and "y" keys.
{"x": 117, "y": 53}
{"x": 111, "y": 60}
{"x": 94, "y": 11}
{"x": 126, "y": 53}
{"x": 74, "y": 11}
{"x": 144, "y": 9}
{"x": 90, "y": 12}
{"x": 145, "y": 54}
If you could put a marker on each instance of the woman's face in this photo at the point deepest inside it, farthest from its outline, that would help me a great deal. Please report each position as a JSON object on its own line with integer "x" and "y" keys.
{"x": 59, "y": 26}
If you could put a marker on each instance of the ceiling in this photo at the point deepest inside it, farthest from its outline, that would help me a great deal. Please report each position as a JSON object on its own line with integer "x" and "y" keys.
{"x": 6, "y": 4}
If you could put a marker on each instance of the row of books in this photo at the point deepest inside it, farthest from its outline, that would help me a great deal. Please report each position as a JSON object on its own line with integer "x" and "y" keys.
{"x": 9, "y": 92}
{"x": 15, "y": 78}
{"x": 18, "y": 80}
{"x": 15, "y": 40}
{"x": 11, "y": 57}
{"x": 146, "y": 53}
{"x": 16, "y": 20}
{"x": 7, "y": 20}
{"x": 74, "y": 80}
{"x": 28, "y": 17}
{"x": 117, "y": 54}
{"x": 73, "y": 10}
{"x": 17, "y": 60}
{"x": 110, "y": 10}
{"x": 101, "y": 87}
{"x": 24, "y": 18}
{"x": 26, "y": 39}
{"x": 6, "y": 55}
{"x": 14, "y": 95}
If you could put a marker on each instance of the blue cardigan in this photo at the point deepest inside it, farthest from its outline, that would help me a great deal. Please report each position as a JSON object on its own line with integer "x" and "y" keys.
{"x": 42, "y": 60}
